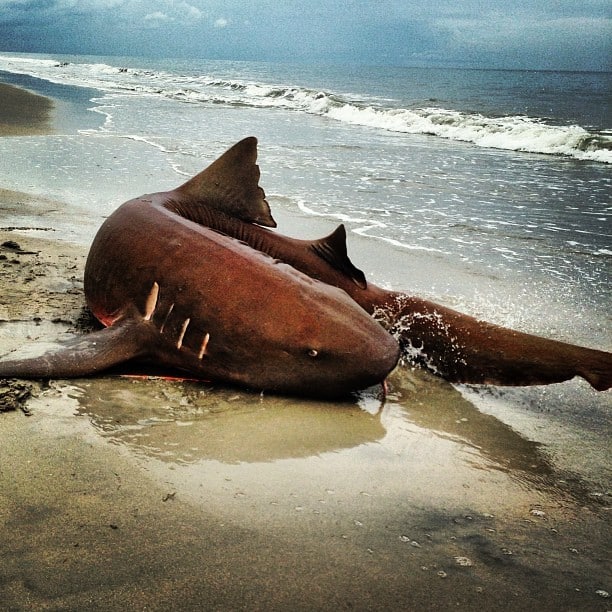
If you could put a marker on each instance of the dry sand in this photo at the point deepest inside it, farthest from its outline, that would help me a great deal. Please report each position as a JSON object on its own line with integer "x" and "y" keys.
{"x": 134, "y": 493}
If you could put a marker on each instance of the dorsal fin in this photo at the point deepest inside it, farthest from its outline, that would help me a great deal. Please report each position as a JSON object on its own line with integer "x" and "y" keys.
{"x": 231, "y": 184}
{"x": 332, "y": 249}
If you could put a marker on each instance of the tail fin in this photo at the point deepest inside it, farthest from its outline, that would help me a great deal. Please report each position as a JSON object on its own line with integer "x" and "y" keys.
{"x": 598, "y": 370}
{"x": 84, "y": 355}
{"x": 463, "y": 349}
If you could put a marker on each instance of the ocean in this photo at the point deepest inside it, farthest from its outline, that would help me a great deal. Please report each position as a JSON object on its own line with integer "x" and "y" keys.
{"x": 486, "y": 190}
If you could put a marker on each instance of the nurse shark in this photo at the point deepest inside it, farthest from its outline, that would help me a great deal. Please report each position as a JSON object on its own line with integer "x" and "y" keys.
{"x": 195, "y": 279}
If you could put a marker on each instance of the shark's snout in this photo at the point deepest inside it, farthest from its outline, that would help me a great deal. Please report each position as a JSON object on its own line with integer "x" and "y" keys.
{"x": 377, "y": 360}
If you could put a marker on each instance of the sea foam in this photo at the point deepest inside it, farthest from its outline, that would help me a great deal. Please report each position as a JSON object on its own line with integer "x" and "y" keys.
{"x": 511, "y": 132}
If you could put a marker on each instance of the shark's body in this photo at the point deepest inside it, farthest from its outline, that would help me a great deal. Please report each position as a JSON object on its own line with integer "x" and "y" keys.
{"x": 190, "y": 279}
{"x": 456, "y": 346}
{"x": 221, "y": 310}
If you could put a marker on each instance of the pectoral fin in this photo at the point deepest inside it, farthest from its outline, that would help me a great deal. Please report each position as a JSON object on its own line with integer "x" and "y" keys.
{"x": 85, "y": 355}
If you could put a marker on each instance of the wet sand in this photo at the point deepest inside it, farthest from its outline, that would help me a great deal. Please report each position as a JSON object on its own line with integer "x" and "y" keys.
{"x": 128, "y": 492}
{"x": 23, "y": 112}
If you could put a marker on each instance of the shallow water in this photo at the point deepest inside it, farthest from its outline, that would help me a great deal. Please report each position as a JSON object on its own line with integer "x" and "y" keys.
{"x": 200, "y": 438}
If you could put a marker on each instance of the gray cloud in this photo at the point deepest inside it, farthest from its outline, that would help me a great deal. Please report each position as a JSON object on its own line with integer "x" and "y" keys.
{"x": 562, "y": 34}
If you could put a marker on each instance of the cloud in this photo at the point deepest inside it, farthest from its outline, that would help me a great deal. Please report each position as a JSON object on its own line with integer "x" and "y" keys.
{"x": 175, "y": 11}
{"x": 156, "y": 18}
{"x": 124, "y": 9}
{"x": 565, "y": 34}
{"x": 567, "y": 42}
{"x": 82, "y": 6}
{"x": 188, "y": 11}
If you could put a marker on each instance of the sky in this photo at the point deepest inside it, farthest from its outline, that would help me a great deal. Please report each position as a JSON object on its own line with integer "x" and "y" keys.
{"x": 512, "y": 34}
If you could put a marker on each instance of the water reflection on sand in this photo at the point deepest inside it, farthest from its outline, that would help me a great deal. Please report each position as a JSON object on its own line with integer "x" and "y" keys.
{"x": 424, "y": 442}
{"x": 186, "y": 422}
{"x": 420, "y": 498}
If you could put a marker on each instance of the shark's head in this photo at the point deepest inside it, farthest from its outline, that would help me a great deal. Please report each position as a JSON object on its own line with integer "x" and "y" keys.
{"x": 318, "y": 343}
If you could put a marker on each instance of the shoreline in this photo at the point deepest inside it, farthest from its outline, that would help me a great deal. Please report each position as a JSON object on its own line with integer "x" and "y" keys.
{"x": 24, "y": 113}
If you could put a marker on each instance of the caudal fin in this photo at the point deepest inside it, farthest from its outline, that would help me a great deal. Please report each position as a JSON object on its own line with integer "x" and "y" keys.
{"x": 597, "y": 370}
{"x": 463, "y": 349}
{"x": 84, "y": 355}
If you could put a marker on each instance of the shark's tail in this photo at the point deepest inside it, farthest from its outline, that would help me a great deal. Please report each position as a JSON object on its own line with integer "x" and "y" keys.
{"x": 596, "y": 368}
{"x": 463, "y": 349}
{"x": 84, "y": 355}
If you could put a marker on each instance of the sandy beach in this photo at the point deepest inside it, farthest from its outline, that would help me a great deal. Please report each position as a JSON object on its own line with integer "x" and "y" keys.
{"x": 129, "y": 492}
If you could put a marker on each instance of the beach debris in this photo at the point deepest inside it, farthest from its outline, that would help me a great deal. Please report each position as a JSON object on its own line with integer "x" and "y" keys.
{"x": 14, "y": 395}
{"x": 15, "y": 247}
{"x": 408, "y": 540}
{"x": 11, "y": 245}
{"x": 536, "y": 512}
{"x": 463, "y": 561}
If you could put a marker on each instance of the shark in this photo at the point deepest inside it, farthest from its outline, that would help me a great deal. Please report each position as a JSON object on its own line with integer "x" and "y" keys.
{"x": 199, "y": 280}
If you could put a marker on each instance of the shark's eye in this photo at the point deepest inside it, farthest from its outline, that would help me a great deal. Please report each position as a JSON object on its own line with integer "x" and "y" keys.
{"x": 313, "y": 353}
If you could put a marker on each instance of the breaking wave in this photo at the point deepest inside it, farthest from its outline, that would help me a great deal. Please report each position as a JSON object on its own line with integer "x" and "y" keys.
{"x": 516, "y": 133}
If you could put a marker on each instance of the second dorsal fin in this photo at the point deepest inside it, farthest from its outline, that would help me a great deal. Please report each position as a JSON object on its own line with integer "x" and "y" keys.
{"x": 231, "y": 184}
{"x": 332, "y": 249}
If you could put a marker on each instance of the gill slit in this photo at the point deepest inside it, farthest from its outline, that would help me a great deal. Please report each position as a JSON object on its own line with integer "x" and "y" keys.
{"x": 203, "y": 347}
{"x": 151, "y": 303}
{"x": 184, "y": 327}
{"x": 161, "y": 329}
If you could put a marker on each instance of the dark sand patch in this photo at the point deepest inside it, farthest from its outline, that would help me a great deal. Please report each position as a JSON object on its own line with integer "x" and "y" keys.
{"x": 39, "y": 283}
{"x": 23, "y": 113}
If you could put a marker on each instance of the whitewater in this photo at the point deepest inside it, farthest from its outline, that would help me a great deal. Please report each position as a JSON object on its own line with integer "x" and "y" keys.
{"x": 396, "y": 110}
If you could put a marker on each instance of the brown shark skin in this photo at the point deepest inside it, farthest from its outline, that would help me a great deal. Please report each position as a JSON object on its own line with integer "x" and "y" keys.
{"x": 458, "y": 347}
